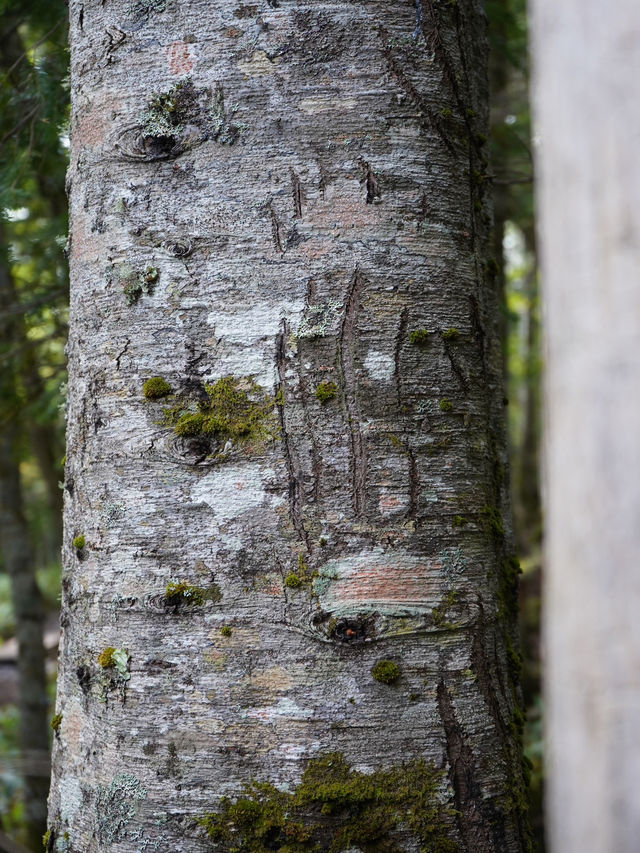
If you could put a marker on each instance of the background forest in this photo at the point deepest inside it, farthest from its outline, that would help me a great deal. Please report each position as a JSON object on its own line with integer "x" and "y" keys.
{"x": 33, "y": 327}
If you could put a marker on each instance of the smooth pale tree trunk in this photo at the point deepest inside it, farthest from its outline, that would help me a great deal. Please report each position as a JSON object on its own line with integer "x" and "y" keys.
{"x": 587, "y": 58}
{"x": 286, "y": 203}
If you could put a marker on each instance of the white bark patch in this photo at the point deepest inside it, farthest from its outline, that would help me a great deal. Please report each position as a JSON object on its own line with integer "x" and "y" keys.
{"x": 323, "y": 104}
{"x": 379, "y": 365}
{"x": 231, "y": 491}
{"x": 71, "y": 798}
{"x": 286, "y": 708}
{"x": 258, "y": 65}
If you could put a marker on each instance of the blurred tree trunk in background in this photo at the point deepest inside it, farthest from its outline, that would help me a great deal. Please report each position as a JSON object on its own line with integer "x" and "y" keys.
{"x": 587, "y": 57}
{"x": 287, "y": 524}
{"x": 33, "y": 291}
{"x": 18, "y": 561}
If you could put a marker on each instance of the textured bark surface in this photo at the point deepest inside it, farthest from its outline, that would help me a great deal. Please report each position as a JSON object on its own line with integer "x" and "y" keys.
{"x": 282, "y": 193}
{"x": 589, "y": 124}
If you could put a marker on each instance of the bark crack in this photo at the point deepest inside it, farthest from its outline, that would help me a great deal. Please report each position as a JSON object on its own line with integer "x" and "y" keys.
{"x": 346, "y": 345}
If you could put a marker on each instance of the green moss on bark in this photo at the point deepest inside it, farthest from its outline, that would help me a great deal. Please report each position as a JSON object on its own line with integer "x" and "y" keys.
{"x": 155, "y": 388}
{"x": 235, "y": 409}
{"x": 180, "y": 592}
{"x": 326, "y": 391}
{"x": 386, "y": 671}
{"x": 335, "y": 808}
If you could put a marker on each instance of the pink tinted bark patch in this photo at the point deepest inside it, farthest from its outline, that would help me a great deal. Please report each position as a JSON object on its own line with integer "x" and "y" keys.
{"x": 182, "y": 57}
{"x": 375, "y": 583}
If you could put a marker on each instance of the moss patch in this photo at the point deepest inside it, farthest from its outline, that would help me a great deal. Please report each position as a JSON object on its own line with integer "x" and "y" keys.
{"x": 56, "y": 722}
{"x": 180, "y": 592}
{"x": 226, "y": 630}
{"x": 79, "y": 542}
{"x": 326, "y": 391}
{"x": 155, "y": 388}
{"x": 336, "y": 808}
{"x": 386, "y": 671}
{"x": 491, "y": 519}
{"x": 450, "y": 334}
{"x": 419, "y": 337}
{"x": 236, "y": 409}
{"x": 114, "y": 658}
{"x": 446, "y": 405}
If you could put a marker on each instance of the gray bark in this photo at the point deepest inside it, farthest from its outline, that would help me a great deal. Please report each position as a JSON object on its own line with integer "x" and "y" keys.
{"x": 310, "y": 195}
{"x": 588, "y": 123}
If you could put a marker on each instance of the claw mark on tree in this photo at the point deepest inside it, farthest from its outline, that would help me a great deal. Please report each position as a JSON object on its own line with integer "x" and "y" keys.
{"x": 478, "y": 333}
{"x": 472, "y": 823}
{"x": 275, "y": 229}
{"x": 346, "y": 346}
{"x": 455, "y": 367}
{"x": 400, "y": 337}
{"x": 373, "y": 187}
{"x": 297, "y": 194}
{"x": 414, "y": 485}
{"x": 293, "y": 467}
{"x": 414, "y": 95}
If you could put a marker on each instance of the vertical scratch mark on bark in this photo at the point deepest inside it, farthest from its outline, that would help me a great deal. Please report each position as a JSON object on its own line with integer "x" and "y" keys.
{"x": 400, "y": 337}
{"x": 468, "y": 796}
{"x": 482, "y": 671}
{"x": 297, "y": 194}
{"x": 478, "y": 333}
{"x": 414, "y": 95}
{"x": 312, "y": 290}
{"x": 435, "y": 43}
{"x": 414, "y": 485}
{"x": 373, "y": 187}
{"x": 346, "y": 345}
{"x": 455, "y": 367}
{"x": 295, "y": 492}
{"x": 275, "y": 230}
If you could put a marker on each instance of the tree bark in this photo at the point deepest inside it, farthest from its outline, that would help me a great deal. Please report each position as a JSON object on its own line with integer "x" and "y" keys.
{"x": 285, "y": 435}
{"x": 588, "y": 123}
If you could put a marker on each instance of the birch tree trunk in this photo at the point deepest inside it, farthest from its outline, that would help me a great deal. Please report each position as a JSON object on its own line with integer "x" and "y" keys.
{"x": 589, "y": 122}
{"x": 287, "y": 551}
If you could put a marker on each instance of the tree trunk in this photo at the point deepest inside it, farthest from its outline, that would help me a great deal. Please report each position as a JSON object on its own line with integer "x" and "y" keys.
{"x": 18, "y": 562}
{"x": 285, "y": 437}
{"x": 589, "y": 122}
